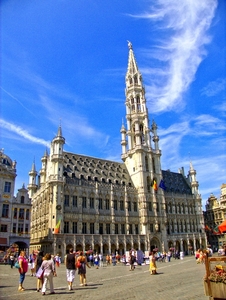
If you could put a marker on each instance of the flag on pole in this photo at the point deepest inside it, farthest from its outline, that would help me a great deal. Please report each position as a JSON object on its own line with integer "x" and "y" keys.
{"x": 216, "y": 230}
{"x": 57, "y": 227}
{"x": 154, "y": 185}
{"x": 207, "y": 228}
{"x": 162, "y": 185}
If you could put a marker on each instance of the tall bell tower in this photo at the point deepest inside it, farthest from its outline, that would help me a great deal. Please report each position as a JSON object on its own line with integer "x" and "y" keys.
{"x": 140, "y": 157}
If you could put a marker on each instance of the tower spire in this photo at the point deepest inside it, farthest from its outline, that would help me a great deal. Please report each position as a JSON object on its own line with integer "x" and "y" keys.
{"x": 138, "y": 130}
{"x": 132, "y": 65}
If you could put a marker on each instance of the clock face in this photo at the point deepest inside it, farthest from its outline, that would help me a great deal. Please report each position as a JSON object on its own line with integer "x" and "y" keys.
{"x": 58, "y": 207}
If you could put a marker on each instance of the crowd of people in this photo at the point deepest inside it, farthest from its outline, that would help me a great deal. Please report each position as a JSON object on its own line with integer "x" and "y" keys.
{"x": 43, "y": 266}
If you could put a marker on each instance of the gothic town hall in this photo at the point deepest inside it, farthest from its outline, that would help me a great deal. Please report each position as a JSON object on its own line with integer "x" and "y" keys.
{"x": 91, "y": 203}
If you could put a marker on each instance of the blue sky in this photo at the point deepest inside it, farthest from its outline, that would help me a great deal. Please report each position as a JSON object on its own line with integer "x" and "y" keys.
{"x": 64, "y": 61}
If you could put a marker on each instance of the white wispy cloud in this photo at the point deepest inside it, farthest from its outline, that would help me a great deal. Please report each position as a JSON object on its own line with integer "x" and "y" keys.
{"x": 22, "y": 132}
{"x": 214, "y": 87}
{"x": 75, "y": 125}
{"x": 185, "y": 25}
{"x": 13, "y": 97}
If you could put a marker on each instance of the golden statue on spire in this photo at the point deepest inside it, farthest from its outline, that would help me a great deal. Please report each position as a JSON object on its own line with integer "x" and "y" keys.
{"x": 130, "y": 45}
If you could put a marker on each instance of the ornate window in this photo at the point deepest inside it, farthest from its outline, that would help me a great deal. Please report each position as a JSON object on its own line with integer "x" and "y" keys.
{"x": 116, "y": 228}
{"x": 91, "y": 228}
{"x": 15, "y": 213}
{"x": 107, "y": 204}
{"x": 129, "y": 205}
{"x": 27, "y": 214}
{"x": 3, "y": 228}
{"x": 115, "y": 205}
{"x": 66, "y": 200}
{"x": 134, "y": 206}
{"x": 83, "y": 202}
{"x": 74, "y": 227}
{"x": 5, "y": 210}
{"x": 21, "y": 213}
{"x": 101, "y": 231}
{"x": 108, "y": 228}
{"x": 91, "y": 202}
{"x": 84, "y": 228}
{"x": 7, "y": 187}
{"x": 74, "y": 201}
{"x": 66, "y": 227}
{"x": 100, "y": 203}
{"x": 123, "y": 228}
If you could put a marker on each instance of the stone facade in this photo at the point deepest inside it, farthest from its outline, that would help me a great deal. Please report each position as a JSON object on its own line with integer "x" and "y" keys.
{"x": 14, "y": 211}
{"x": 214, "y": 215}
{"x": 89, "y": 203}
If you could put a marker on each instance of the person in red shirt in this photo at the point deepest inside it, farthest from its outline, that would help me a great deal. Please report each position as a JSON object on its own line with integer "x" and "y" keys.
{"x": 22, "y": 270}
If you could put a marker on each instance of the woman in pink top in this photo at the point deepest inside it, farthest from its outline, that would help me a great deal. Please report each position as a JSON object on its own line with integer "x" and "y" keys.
{"x": 22, "y": 270}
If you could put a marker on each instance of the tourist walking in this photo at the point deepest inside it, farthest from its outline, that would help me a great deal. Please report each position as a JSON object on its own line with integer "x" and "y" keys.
{"x": 81, "y": 265}
{"x": 5, "y": 259}
{"x": 11, "y": 259}
{"x": 101, "y": 260}
{"x": 49, "y": 272}
{"x": 108, "y": 259}
{"x": 152, "y": 261}
{"x": 96, "y": 260}
{"x": 38, "y": 263}
{"x": 22, "y": 270}
{"x": 70, "y": 262}
{"x": 132, "y": 259}
{"x": 57, "y": 260}
{"x": 32, "y": 258}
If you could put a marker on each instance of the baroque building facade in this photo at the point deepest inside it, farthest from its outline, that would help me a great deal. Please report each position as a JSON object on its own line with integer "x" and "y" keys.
{"x": 214, "y": 215}
{"x": 89, "y": 203}
{"x": 14, "y": 211}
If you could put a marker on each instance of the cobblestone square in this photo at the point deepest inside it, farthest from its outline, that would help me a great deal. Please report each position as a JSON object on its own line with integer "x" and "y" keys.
{"x": 179, "y": 279}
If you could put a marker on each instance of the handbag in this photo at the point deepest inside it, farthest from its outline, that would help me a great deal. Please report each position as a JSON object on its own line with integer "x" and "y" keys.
{"x": 17, "y": 265}
{"x": 78, "y": 264}
{"x": 40, "y": 273}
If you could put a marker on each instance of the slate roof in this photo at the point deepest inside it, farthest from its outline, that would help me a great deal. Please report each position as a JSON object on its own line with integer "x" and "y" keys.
{"x": 78, "y": 166}
{"x": 176, "y": 183}
{"x": 90, "y": 168}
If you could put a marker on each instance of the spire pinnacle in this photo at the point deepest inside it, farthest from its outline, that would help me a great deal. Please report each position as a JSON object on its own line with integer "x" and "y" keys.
{"x": 33, "y": 168}
{"x": 132, "y": 69}
{"x": 130, "y": 45}
{"x": 59, "y": 133}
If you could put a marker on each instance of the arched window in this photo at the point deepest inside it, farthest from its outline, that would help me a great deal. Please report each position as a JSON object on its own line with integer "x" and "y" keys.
{"x": 146, "y": 164}
{"x": 138, "y": 104}
{"x": 142, "y": 133}
{"x": 132, "y": 104}
{"x": 153, "y": 164}
{"x": 135, "y": 79}
{"x": 149, "y": 184}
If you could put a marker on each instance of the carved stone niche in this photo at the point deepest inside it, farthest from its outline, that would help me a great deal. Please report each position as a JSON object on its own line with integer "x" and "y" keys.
{"x": 156, "y": 227}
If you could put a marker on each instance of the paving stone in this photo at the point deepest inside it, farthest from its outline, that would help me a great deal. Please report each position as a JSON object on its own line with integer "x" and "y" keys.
{"x": 179, "y": 279}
